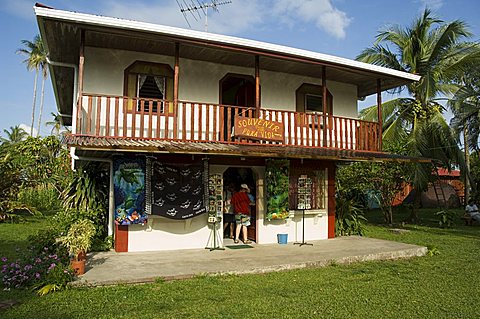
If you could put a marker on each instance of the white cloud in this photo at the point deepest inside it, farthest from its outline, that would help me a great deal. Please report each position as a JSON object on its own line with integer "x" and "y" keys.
{"x": 237, "y": 17}
{"x": 320, "y": 12}
{"x": 20, "y": 8}
{"x": 431, "y": 4}
{"x": 27, "y": 129}
{"x": 234, "y": 18}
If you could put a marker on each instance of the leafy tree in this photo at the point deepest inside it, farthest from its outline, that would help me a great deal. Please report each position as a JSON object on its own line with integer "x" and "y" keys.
{"x": 15, "y": 135}
{"x": 382, "y": 180}
{"x": 31, "y": 163}
{"x": 36, "y": 60}
{"x": 437, "y": 51}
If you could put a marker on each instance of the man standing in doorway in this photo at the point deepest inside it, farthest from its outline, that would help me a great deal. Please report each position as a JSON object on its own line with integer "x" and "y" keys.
{"x": 241, "y": 207}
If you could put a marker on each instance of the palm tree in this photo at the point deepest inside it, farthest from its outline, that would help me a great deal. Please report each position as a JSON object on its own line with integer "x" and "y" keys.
{"x": 15, "y": 135}
{"x": 56, "y": 123}
{"x": 36, "y": 60}
{"x": 438, "y": 52}
{"x": 465, "y": 105}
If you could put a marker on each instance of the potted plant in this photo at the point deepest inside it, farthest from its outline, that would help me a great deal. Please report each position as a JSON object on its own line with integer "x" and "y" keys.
{"x": 78, "y": 241}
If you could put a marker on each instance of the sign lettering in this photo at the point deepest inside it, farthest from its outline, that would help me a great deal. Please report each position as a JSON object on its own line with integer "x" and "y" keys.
{"x": 259, "y": 129}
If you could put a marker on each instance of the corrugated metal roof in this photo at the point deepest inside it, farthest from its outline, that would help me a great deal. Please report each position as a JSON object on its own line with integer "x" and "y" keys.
{"x": 234, "y": 149}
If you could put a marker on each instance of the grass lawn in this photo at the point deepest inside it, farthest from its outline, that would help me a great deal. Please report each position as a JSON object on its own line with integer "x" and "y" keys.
{"x": 446, "y": 285}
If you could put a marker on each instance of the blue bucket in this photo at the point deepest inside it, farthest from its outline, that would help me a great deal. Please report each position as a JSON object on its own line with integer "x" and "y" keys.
{"x": 282, "y": 239}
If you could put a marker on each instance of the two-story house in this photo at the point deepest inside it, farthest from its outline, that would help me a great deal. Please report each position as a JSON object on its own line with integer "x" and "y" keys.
{"x": 185, "y": 117}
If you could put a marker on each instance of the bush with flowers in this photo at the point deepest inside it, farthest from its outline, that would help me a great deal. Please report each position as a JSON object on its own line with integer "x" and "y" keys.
{"x": 38, "y": 267}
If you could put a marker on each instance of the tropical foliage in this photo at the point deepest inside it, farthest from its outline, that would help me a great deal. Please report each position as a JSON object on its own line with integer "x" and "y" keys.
{"x": 349, "y": 218}
{"x": 277, "y": 180}
{"x": 34, "y": 165}
{"x": 437, "y": 51}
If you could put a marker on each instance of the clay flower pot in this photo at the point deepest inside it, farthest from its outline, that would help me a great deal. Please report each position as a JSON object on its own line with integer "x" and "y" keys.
{"x": 78, "y": 266}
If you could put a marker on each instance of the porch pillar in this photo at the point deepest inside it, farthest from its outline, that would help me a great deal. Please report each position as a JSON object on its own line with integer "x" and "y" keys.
{"x": 379, "y": 114}
{"x": 257, "y": 85}
{"x": 324, "y": 104}
{"x": 111, "y": 203}
{"x": 331, "y": 200}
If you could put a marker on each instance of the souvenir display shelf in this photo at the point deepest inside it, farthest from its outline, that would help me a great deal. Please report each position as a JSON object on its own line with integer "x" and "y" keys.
{"x": 304, "y": 202}
{"x": 215, "y": 209}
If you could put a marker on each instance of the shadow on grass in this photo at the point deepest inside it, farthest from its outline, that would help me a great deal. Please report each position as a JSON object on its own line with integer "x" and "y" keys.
{"x": 428, "y": 222}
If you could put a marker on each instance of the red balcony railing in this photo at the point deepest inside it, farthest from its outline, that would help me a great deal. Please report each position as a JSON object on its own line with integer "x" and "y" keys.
{"x": 114, "y": 116}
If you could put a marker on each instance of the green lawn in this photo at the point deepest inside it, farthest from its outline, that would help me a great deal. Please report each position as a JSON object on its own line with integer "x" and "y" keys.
{"x": 441, "y": 286}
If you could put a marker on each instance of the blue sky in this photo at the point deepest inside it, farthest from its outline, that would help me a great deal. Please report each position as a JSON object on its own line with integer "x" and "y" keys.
{"x": 337, "y": 27}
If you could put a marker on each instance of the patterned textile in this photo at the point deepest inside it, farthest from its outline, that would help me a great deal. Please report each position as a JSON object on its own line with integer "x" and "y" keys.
{"x": 177, "y": 191}
{"x": 129, "y": 190}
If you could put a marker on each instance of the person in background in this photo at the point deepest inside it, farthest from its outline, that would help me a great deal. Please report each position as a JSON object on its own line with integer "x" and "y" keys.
{"x": 241, "y": 207}
{"x": 472, "y": 210}
{"x": 228, "y": 215}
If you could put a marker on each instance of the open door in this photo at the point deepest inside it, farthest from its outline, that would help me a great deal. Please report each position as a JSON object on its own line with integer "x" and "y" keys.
{"x": 244, "y": 175}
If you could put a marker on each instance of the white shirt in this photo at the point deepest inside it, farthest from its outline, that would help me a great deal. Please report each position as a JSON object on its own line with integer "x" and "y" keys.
{"x": 471, "y": 209}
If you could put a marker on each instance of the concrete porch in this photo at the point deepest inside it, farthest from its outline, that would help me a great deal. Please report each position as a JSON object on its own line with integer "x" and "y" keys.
{"x": 106, "y": 268}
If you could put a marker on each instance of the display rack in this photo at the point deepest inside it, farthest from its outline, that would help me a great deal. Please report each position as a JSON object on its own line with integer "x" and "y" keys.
{"x": 304, "y": 202}
{"x": 215, "y": 210}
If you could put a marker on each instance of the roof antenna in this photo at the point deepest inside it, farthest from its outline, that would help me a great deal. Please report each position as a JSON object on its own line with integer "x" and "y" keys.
{"x": 193, "y": 8}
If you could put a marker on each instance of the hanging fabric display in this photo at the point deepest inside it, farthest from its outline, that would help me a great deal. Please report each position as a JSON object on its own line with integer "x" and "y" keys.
{"x": 277, "y": 183}
{"x": 129, "y": 190}
{"x": 177, "y": 191}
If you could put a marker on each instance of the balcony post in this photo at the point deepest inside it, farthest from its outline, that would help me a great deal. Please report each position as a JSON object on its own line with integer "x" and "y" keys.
{"x": 379, "y": 113}
{"x": 324, "y": 104}
{"x": 176, "y": 69}
{"x": 175, "y": 89}
{"x": 257, "y": 85}
{"x": 81, "y": 62}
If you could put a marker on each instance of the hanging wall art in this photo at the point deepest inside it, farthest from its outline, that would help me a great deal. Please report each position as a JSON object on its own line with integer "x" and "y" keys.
{"x": 177, "y": 191}
{"x": 129, "y": 190}
{"x": 277, "y": 183}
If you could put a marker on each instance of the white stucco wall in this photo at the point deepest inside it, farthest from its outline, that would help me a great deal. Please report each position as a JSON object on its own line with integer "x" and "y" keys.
{"x": 165, "y": 234}
{"x": 161, "y": 233}
{"x": 199, "y": 80}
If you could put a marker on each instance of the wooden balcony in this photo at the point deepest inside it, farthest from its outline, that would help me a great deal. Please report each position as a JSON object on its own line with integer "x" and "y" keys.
{"x": 123, "y": 117}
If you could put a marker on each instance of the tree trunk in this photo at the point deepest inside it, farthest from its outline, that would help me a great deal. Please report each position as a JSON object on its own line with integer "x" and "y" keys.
{"x": 390, "y": 215}
{"x": 41, "y": 104}
{"x": 34, "y": 101}
{"x": 417, "y": 201}
{"x": 467, "y": 166}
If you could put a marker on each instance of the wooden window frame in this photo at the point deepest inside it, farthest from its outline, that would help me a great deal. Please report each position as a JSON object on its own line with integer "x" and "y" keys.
{"x": 130, "y": 82}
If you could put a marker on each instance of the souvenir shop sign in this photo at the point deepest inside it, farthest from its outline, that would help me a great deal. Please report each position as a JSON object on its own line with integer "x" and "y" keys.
{"x": 129, "y": 190}
{"x": 259, "y": 129}
{"x": 178, "y": 191}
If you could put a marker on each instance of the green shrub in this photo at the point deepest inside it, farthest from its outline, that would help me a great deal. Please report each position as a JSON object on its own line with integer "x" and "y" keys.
{"x": 348, "y": 218}
{"x": 446, "y": 218}
{"x": 44, "y": 199}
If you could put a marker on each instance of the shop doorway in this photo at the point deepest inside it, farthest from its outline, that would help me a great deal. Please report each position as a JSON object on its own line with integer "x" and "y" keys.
{"x": 233, "y": 177}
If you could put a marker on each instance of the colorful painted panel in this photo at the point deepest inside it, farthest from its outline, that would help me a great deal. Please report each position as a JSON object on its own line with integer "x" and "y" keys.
{"x": 277, "y": 183}
{"x": 178, "y": 191}
{"x": 129, "y": 190}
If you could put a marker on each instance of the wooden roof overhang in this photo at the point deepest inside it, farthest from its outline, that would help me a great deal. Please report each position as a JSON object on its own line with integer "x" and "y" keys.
{"x": 61, "y": 32}
{"x": 91, "y": 146}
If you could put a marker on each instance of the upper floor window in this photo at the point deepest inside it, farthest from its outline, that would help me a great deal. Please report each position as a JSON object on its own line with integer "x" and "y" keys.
{"x": 309, "y": 99}
{"x": 150, "y": 83}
